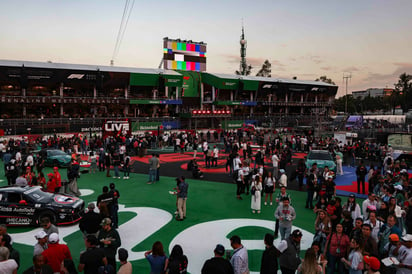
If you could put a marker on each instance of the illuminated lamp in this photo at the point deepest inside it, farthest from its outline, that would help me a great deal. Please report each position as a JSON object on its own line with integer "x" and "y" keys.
{"x": 204, "y": 112}
{"x": 194, "y": 111}
{"x": 214, "y": 112}
{"x": 208, "y": 111}
{"x": 227, "y": 111}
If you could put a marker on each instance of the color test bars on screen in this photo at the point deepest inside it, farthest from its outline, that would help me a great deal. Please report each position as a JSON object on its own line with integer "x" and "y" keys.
{"x": 186, "y": 55}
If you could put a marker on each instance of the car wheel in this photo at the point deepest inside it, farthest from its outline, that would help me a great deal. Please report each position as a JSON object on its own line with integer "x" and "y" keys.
{"x": 50, "y": 214}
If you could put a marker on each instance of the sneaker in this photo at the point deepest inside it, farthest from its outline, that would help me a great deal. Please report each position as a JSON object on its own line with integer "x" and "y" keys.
{"x": 124, "y": 177}
{"x": 266, "y": 203}
{"x": 271, "y": 203}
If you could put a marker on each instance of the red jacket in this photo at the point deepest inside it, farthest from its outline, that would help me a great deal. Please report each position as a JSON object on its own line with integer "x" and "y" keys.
{"x": 55, "y": 254}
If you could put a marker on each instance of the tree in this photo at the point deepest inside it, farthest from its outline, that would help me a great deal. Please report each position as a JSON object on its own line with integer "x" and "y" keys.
{"x": 246, "y": 71}
{"x": 325, "y": 80}
{"x": 402, "y": 94}
{"x": 266, "y": 69}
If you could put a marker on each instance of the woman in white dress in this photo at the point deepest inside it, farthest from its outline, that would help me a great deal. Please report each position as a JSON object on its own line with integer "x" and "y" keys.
{"x": 255, "y": 203}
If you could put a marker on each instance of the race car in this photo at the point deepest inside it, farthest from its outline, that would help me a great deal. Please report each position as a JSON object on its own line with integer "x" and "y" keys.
{"x": 27, "y": 205}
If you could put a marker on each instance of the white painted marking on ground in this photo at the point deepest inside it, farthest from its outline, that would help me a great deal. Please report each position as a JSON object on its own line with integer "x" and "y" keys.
{"x": 86, "y": 192}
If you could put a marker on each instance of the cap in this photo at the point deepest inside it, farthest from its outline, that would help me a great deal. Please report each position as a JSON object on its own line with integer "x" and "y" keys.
{"x": 404, "y": 171}
{"x": 297, "y": 233}
{"x": 282, "y": 171}
{"x": 407, "y": 238}
{"x": 398, "y": 187}
{"x": 394, "y": 237}
{"x": 106, "y": 221}
{"x": 373, "y": 262}
{"x": 91, "y": 206}
{"x": 54, "y": 238}
{"x": 50, "y": 175}
{"x": 40, "y": 235}
{"x": 352, "y": 195}
{"x": 55, "y": 168}
{"x": 220, "y": 249}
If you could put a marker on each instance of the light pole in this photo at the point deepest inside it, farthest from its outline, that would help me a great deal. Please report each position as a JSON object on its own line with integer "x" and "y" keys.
{"x": 345, "y": 78}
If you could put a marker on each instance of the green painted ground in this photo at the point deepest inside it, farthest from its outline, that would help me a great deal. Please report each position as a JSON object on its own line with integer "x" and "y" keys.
{"x": 208, "y": 201}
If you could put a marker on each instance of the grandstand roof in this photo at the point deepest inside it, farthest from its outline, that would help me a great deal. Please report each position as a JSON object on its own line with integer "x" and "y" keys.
{"x": 269, "y": 79}
{"x": 50, "y": 65}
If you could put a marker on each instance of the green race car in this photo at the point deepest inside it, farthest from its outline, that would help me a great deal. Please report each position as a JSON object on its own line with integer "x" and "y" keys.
{"x": 322, "y": 158}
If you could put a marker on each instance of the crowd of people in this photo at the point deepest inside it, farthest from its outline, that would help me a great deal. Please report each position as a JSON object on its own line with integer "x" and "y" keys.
{"x": 348, "y": 237}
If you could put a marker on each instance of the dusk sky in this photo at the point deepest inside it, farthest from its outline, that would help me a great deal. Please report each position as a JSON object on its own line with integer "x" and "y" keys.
{"x": 369, "y": 39}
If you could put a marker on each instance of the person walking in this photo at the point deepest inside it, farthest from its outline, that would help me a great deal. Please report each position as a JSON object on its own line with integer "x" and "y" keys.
{"x": 182, "y": 190}
{"x": 239, "y": 260}
{"x": 289, "y": 249}
{"x": 269, "y": 263}
{"x": 285, "y": 214}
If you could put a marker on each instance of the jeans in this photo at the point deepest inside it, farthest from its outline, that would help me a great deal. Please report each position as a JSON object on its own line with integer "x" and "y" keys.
{"x": 152, "y": 175}
{"x": 126, "y": 171}
{"x": 116, "y": 171}
{"x": 309, "y": 199}
{"x": 332, "y": 261}
{"x": 285, "y": 232}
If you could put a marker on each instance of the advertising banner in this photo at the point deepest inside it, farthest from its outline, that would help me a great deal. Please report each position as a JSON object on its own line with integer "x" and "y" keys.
{"x": 116, "y": 127}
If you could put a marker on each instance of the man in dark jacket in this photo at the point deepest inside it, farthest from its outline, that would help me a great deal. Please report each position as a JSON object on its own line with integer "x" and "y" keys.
{"x": 218, "y": 264}
{"x": 90, "y": 223}
{"x": 289, "y": 248}
{"x": 269, "y": 263}
{"x": 361, "y": 172}
{"x": 109, "y": 240}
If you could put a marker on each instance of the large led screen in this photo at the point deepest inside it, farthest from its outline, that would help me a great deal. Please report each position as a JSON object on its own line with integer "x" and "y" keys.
{"x": 184, "y": 55}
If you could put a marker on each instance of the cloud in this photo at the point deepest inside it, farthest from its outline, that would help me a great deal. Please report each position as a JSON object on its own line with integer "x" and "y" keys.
{"x": 310, "y": 57}
{"x": 351, "y": 69}
{"x": 327, "y": 68}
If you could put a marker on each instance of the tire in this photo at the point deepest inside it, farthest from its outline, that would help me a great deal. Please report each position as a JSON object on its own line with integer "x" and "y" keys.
{"x": 47, "y": 213}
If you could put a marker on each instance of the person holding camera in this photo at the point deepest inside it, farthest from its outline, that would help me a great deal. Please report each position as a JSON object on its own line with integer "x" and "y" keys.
{"x": 285, "y": 213}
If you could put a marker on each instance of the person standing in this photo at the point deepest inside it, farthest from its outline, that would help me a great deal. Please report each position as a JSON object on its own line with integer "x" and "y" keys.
{"x": 157, "y": 258}
{"x": 90, "y": 222}
{"x": 217, "y": 264}
{"x": 182, "y": 190}
{"x": 7, "y": 265}
{"x": 107, "y": 163}
{"x": 153, "y": 163}
{"x": 310, "y": 264}
{"x": 115, "y": 205}
{"x": 41, "y": 244}
{"x": 126, "y": 166}
{"x": 72, "y": 175}
{"x": 354, "y": 261}
{"x": 125, "y": 266}
{"x": 283, "y": 180}
{"x": 361, "y": 172}
{"x": 48, "y": 227}
{"x": 56, "y": 253}
{"x": 239, "y": 260}
{"x": 289, "y": 249}
{"x": 177, "y": 261}
{"x": 269, "y": 187}
{"x": 269, "y": 263}
{"x": 215, "y": 156}
{"x": 58, "y": 179}
{"x": 109, "y": 240}
{"x": 93, "y": 257}
{"x": 275, "y": 163}
{"x": 285, "y": 214}
{"x": 256, "y": 196}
